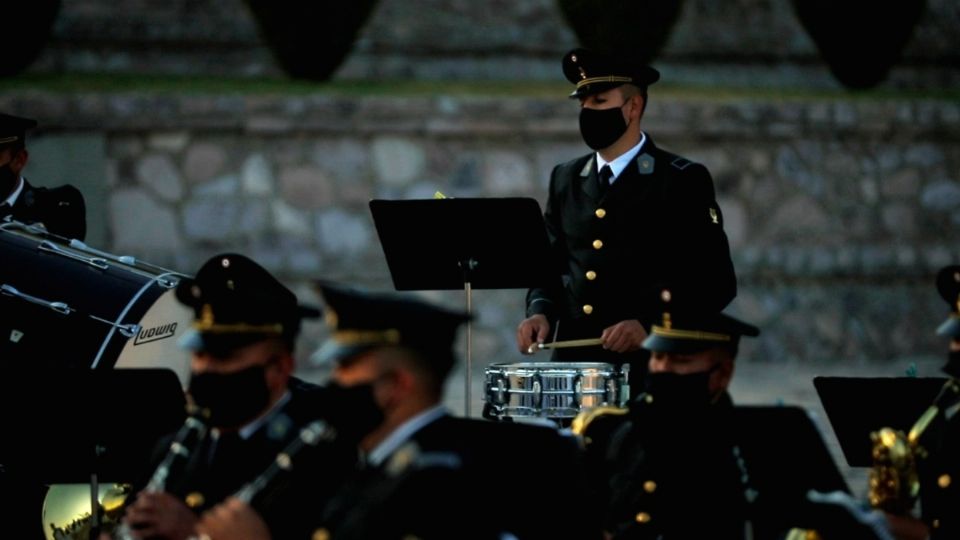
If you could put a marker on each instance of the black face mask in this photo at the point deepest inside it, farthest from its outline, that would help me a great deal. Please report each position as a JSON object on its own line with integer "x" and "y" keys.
{"x": 952, "y": 367}
{"x": 674, "y": 392}
{"x": 353, "y": 410}
{"x": 602, "y": 127}
{"x": 234, "y": 399}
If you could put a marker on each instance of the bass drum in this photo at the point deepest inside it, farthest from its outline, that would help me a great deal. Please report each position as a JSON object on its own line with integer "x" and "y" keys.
{"x": 65, "y": 304}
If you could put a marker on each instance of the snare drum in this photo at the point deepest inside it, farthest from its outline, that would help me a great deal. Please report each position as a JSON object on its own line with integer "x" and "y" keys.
{"x": 64, "y": 304}
{"x": 552, "y": 389}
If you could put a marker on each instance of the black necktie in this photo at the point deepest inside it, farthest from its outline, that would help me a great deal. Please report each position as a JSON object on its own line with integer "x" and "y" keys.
{"x": 606, "y": 173}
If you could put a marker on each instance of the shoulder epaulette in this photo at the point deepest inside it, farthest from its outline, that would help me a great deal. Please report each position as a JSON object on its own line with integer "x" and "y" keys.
{"x": 681, "y": 163}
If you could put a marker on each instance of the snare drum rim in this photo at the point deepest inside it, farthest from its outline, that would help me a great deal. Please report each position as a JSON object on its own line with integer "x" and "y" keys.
{"x": 565, "y": 368}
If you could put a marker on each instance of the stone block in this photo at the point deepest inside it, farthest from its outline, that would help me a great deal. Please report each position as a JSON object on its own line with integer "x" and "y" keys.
{"x": 203, "y": 161}
{"x": 306, "y": 187}
{"x": 141, "y": 226}
{"x": 345, "y": 234}
{"x": 397, "y": 161}
{"x": 256, "y": 175}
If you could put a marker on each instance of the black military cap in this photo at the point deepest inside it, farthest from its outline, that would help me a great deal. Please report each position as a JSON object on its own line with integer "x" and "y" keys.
{"x": 594, "y": 72}
{"x": 236, "y": 302}
{"x": 948, "y": 283}
{"x": 361, "y": 321}
{"x": 14, "y": 128}
{"x": 684, "y": 328}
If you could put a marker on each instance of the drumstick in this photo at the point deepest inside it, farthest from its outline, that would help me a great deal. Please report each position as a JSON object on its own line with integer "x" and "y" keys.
{"x": 567, "y": 344}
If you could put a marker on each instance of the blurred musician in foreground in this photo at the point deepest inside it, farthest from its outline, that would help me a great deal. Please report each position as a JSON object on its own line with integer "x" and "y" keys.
{"x": 934, "y": 443}
{"x": 424, "y": 473}
{"x": 940, "y": 470}
{"x": 682, "y": 462}
{"x": 61, "y": 210}
{"x": 242, "y": 359}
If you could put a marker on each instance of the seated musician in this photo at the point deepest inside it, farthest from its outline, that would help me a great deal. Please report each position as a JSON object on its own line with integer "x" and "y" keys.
{"x": 424, "y": 473}
{"x": 938, "y": 465}
{"x": 61, "y": 210}
{"x": 682, "y": 461}
{"x": 241, "y": 364}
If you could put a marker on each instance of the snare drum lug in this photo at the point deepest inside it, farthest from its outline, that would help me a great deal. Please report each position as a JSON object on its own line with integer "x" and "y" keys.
{"x": 578, "y": 391}
{"x": 624, "y": 390}
{"x": 610, "y": 394}
{"x": 96, "y": 262}
{"x": 537, "y": 393}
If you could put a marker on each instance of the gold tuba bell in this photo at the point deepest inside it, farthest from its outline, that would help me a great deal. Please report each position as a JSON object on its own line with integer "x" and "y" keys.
{"x": 894, "y": 484}
{"x": 66, "y": 509}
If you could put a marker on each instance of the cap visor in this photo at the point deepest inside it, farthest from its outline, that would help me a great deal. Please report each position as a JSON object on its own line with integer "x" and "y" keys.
{"x": 333, "y": 352}
{"x": 216, "y": 344}
{"x": 595, "y": 88}
{"x": 950, "y": 327}
{"x": 658, "y": 343}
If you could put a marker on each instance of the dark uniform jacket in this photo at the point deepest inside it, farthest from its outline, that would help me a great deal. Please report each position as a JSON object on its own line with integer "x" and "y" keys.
{"x": 289, "y": 503}
{"x": 658, "y": 225}
{"x": 60, "y": 209}
{"x": 714, "y": 473}
{"x": 940, "y": 470}
{"x": 463, "y": 478}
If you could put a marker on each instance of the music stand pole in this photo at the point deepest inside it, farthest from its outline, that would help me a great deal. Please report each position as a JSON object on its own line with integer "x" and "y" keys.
{"x": 469, "y": 373}
{"x": 94, "y": 506}
{"x": 468, "y": 268}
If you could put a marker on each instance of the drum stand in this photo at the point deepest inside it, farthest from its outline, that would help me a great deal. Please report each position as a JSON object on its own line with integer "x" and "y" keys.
{"x": 449, "y": 244}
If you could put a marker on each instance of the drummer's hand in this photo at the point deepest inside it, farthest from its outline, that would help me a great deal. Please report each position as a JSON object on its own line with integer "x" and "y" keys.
{"x": 532, "y": 330}
{"x": 233, "y": 520}
{"x": 625, "y": 336}
{"x": 160, "y": 515}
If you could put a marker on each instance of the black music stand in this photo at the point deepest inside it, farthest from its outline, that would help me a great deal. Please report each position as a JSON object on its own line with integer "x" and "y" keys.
{"x": 857, "y": 406}
{"x": 79, "y": 426}
{"x": 445, "y": 244}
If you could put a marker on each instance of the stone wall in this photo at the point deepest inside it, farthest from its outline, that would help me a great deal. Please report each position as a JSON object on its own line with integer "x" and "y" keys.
{"x": 839, "y": 212}
{"x": 743, "y": 42}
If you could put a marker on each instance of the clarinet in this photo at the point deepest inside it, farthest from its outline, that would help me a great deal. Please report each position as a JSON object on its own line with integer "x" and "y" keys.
{"x": 191, "y": 433}
{"x": 310, "y": 436}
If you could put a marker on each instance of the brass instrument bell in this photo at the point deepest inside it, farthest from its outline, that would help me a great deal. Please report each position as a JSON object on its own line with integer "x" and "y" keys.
{"x": 66, "y": 509}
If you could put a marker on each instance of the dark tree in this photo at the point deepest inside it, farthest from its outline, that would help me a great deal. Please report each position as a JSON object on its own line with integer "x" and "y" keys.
{"x": 636, "y": 27}
{"x": 310, "y": 39}
{"x": 27, "y": 29}
{"x": 858, "y": 39}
